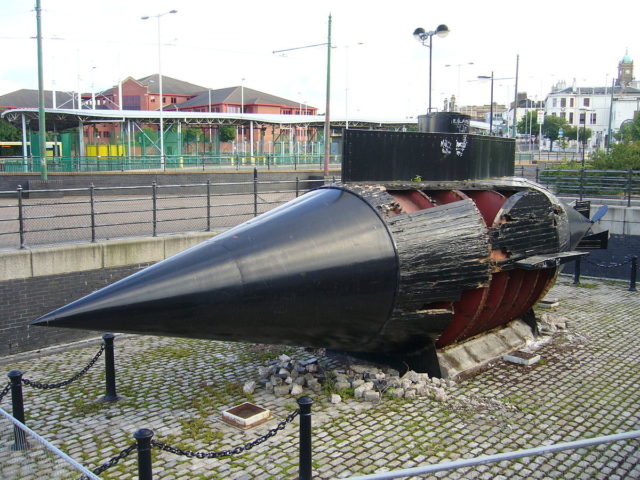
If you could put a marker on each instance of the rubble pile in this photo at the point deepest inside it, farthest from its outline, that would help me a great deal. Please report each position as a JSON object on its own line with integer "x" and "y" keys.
{"x": 286, "y": 376}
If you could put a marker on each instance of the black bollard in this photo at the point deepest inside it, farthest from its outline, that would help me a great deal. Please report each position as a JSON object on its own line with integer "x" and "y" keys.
{"x": 576, "y": 272}
{"x": 634, "y": 272}
{"x": 143, "y": 439}
{"x": 110, "y": 369}
{"x": 305, "y": 437}
{"x": 17, "y": 404}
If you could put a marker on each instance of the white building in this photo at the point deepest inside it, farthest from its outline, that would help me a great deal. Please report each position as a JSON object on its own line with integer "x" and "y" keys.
{"x": 600, "y": 108}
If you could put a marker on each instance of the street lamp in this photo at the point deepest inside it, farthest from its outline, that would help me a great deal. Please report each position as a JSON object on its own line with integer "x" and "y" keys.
{"x": 422, "y": 36}
{"x": 459, "y": 65}
{"x": 486, "y": 77}
{"x": 327, "y": 116}
{"x": 159, "y": 16}
{"x": 583, "y": 117}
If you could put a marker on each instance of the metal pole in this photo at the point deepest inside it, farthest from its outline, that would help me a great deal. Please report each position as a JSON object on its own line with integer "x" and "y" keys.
{"x": 576, "y": 272}
{"x": 613, "y": 85}
{"x": 430, "y": 58}
{"x": 110, "y": 368}
{"x": 162, "y": 166}
{"x": 92, "y": 199}
{"x": 297, "y": 187}
{"x": 305, "y": 438}
{"x": 208, "y": 205}
{"x": 17, "y": 403}
{"x": 154, "y": 202}
{"x": 255, "y": 192}
{"x": 629, "y": 186}
{"x": 491, "y": 108}
{"x": 327, "y": 117}
{"x": 515, "y": 102}
{"x": 20, "y": 216}
{"x": 41, "y": 120}
{"x": 143, "y": 439}
{"x": 634, "y": 272}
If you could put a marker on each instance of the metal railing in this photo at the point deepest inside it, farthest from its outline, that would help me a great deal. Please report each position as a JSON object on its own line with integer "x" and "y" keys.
{"x": 38, "y": 217}
{"x": 500, "y": 457}
{"x": 235, "y": 161}
{"x": 592, "y": 183}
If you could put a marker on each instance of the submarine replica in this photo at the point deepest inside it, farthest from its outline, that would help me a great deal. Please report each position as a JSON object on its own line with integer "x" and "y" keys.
{"x": 428, "y": 241}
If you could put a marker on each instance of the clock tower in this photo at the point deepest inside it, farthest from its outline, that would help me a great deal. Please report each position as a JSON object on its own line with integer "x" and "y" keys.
{"x": 625, "y": 71}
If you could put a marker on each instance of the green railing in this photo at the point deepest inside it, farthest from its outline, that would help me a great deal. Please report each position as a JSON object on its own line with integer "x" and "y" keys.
{"x": 201, "y": 162}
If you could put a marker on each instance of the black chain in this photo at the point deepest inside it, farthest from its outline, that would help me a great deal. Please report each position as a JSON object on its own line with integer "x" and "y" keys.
{"x": 47, "y": 386}
{"x": 123, "y": 454}
{"x": 232, "y": 451}
{"x": 5, "y": 390}
{"x": 608, "y": 265}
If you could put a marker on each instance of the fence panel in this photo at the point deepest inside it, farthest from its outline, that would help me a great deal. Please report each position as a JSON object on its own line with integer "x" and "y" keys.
{"x": 40, "y": 217}
{"x": 33, "y": 457}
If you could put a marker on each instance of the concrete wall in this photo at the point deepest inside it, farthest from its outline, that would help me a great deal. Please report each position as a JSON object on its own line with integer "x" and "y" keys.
{"x": 35, "y": 281}
{"x": 619, "y": 219}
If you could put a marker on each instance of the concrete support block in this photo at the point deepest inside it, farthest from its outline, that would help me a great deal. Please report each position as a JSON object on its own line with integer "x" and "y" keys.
{"x": 15, "y": 264}
{"x": 477, "y": 351}
{"x": 177, "y": 243}
{"x": 632, "y": 221}
{"x": 132, "y": 251}
{"x": 66, "y": 258}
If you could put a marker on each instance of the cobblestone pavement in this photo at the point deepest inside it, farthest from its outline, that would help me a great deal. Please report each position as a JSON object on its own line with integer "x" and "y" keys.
{"x": 587, "y": 385}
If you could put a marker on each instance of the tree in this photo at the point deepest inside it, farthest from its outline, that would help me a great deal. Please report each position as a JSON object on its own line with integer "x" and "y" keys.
{"x": 525, "y": 124}
{"x": 227, "y": 133}
{"x": 551, "y": 128}
{"x": 9, "y": 133}
{"x": 192, "y": 135}
{"x": 622, "y": 156}
{"x": 571, "y": 133}
{"x": 630, "y": 131}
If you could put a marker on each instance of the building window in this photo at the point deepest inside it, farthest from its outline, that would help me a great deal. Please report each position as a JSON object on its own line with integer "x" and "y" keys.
{"x": 571, "y": 102}
{"x": 153, "y": 99}
{"x": 593, "y": 119}
{"x": 563, "y": 115}
{"x": 563, "y": 102}
{"x": 554, "y": 102}
{"x": 233, "y": 108}
{"x": 174, "y": 100}
{"x": 586, "y": 102}
{"x": 131, "y": 102}
{"x": 570, "y": 117}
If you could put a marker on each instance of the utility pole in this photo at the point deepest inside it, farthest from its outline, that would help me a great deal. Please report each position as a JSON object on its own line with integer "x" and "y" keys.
{"x": 42, "y": 133}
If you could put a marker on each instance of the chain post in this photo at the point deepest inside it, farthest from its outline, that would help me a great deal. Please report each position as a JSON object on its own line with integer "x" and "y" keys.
{"x": 17, "y": 405}
{"x": 110, "y": 369}
{"x": 576, "y": 272}
{"x": 255, "y": 192}
{"x": 20, "y": 216}
{"x": 143, "y": 440}
{"x": 634, "y": 272}
{"x": 92, "y": 199}
{"x": 297, "y": 187}
{"x": 305, "y": 438}
{"x": 208, "y": 205}
{"x": 154, "y": 202}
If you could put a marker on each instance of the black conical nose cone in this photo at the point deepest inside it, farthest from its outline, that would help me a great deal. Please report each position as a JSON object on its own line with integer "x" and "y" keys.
{"x": 318, "y": 271}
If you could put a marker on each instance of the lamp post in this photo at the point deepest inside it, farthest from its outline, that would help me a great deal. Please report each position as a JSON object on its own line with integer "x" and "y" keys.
{"x": 159, "y": 16}
{"x": 327, "y": 116}
{"x": 486, "y": 77}
{"x": 459, "y": 65}
{"x": 42, "y": 141}
{"x": 422, "y": 36}
{"x": 583, "y": 115}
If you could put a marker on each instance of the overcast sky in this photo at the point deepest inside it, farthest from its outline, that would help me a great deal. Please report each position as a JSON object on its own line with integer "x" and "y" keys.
{"x": 216, "y": 44}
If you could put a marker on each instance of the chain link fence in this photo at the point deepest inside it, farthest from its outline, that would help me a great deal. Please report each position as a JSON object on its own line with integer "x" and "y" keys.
{"x": 38, "y": 217}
